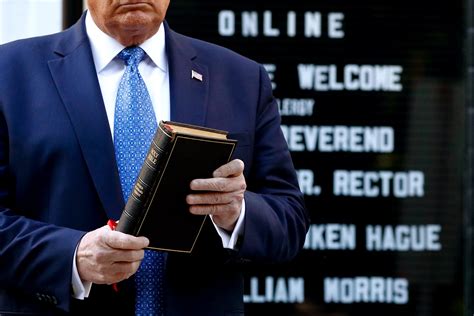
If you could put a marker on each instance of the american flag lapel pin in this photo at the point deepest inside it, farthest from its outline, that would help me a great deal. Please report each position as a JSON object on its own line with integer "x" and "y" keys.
{"x": 196, "y": 75}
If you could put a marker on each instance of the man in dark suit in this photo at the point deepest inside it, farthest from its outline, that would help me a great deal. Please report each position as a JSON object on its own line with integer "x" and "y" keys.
{"x": 58, "y": 173}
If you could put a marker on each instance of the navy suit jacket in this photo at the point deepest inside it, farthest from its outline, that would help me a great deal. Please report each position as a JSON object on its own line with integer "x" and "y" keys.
{"x": 58, "y": 175}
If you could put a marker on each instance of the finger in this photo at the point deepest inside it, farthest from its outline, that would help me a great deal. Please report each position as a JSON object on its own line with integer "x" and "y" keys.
{"x": 109, "y": 267}
{"x": 210, "y": 198}
{"x": 124, "y": 268}
{"x": 126, "y": 256}
{"x": 216, "y": 209}
{"x": 232, "y": 168}
{"x": 213, "y": 209}
{"x": 118, "y": 240}
{"x": 117, "y": 272}
{"x": 219, "y": 184}
{"x": 224, "y": 216}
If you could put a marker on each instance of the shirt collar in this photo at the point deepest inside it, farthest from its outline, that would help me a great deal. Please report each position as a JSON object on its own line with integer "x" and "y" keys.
{"x": 105, "y": 48}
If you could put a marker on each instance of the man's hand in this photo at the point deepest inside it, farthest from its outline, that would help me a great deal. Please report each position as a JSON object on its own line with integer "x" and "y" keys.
{"x": 105, "y": 256}
{"x": 222, "y": 195}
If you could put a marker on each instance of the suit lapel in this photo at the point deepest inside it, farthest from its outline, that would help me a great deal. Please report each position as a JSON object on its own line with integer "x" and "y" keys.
{"x": 76, "y": 80}
{"x": 188, "y": 95}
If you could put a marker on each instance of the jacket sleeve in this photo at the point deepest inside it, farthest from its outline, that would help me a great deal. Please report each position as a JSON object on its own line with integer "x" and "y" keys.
{"x": 35, "y": 257}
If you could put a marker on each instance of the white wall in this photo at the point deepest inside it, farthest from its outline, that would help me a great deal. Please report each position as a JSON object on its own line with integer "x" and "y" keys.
{"x": 27, "y": 18}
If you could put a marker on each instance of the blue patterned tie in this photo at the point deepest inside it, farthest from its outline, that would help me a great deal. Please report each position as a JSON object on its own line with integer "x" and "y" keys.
{"x": 134, "y": 127}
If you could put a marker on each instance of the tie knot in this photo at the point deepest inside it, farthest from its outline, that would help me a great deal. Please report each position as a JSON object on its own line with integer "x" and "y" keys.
{"x": 132, "y": 55}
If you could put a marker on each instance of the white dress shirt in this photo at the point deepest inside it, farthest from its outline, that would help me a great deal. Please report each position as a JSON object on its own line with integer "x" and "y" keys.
{"x": 154, "y": 71}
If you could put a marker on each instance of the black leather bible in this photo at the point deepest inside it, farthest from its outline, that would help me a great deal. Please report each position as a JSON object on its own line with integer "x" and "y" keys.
{"x": 157, "y": 207}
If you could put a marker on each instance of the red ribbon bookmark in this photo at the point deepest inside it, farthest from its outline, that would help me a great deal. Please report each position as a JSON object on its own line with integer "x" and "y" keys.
{"x": 113, "y": 224}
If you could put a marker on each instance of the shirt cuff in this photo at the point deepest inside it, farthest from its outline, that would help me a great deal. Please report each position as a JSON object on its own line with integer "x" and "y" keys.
{"x": 230, "y": 240}
{"x": 80, "y": 289}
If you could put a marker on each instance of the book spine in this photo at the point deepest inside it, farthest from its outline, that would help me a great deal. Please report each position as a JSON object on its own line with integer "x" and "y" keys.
{"x": 136, "y": 205}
